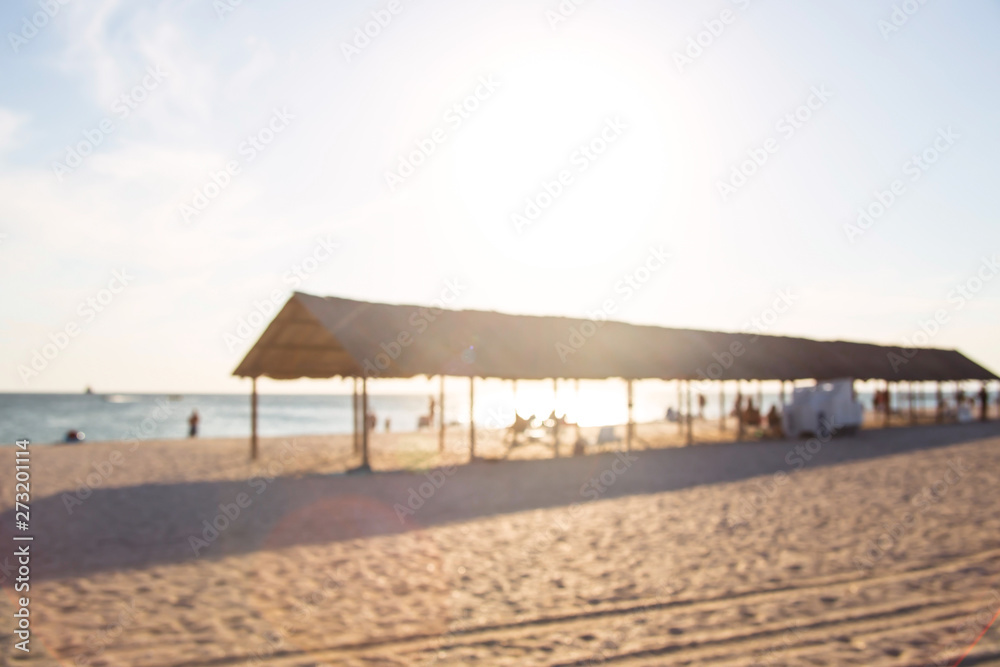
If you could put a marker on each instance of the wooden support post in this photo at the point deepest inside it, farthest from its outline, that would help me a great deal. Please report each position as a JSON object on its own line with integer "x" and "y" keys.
{"x": 628, "y": 428}
{"x": 354, "y": 413}
{"x": 513, "y": 386}
{"x": 690, "y": 416}
{"x": 739, "y": 410}
{"x": 908, "y": 397}
{"x": 760, "y": 397}
{"x": 364, "y": 417}
{"x": 921, "y": 399}
{"x": 722, "y": 405}
{"x": 442, "y": 422}
{"x": 926, "y": 393}
{"x": 472, "y": 417}
{"x": 513, "y": 434}
{"x": 680, "y": 410}
{"x": 576, "y": 412}
{"x": 555, "y": 427}
{"x": 888, "y": 404}
{"x": 984, "y": 402}
{"x": 253, "y": 419}
{"x": 913, "y": 414}
{"x": 939, "y": 400}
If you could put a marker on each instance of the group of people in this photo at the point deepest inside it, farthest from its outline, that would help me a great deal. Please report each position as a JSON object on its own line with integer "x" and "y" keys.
{"x": 74, "y": 436}
{"x": 551, "y": 424}
{"x": 675, "y": 415}
{"x": 747, "y": 415}
{"x": 751, "y": 416}
{"x": 882, "y": 403}
{"x": 968, "y": 403}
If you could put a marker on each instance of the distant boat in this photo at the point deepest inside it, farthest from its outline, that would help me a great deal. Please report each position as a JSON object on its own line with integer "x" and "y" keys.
{"x": 175, "y": 397}
{"x": 118, "y": 398}
{"x": 88, "y": 390}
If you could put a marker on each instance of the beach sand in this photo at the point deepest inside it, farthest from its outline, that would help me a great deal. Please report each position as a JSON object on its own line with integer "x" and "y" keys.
{"x": 881, "y": 549}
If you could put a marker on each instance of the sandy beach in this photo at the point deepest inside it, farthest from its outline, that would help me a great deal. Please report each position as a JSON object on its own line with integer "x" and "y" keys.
{"x": 574, "y": 270}
{"x": 882, "y": 549}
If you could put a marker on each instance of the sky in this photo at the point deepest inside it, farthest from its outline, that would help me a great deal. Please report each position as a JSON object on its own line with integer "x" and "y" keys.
{"x": 171, "y": 171}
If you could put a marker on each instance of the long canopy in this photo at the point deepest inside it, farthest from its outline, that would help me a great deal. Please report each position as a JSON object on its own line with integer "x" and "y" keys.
{"x": 325, "y": 337}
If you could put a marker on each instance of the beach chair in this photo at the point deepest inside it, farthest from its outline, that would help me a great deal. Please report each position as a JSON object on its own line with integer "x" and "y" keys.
{"x": 518, "y": 428}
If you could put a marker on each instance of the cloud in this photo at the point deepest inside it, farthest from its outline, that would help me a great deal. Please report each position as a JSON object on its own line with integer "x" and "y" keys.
{"x": 10, "y": 123}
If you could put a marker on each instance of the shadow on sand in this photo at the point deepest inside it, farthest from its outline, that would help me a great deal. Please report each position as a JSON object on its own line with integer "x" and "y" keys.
{"x": 121, "y": 528}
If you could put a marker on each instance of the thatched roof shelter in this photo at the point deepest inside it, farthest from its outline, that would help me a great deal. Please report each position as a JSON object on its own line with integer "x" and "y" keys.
{"x": 326, "y": 337}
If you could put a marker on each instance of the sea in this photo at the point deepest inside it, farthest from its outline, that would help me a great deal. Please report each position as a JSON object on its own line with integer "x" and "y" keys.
{"x": 46, "y": 418}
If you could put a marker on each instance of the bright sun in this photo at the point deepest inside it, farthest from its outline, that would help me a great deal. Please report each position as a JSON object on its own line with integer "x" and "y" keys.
{"x": 568, "y": 160}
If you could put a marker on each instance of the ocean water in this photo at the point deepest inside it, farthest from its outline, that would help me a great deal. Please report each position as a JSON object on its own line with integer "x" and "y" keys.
{"x": 45, "y": 418}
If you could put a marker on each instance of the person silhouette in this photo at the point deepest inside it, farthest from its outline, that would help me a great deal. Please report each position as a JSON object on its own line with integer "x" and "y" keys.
{"x": 193, "y": 424}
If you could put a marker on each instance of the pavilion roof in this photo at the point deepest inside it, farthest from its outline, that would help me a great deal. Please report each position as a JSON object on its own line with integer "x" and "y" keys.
{"x": 325, "y": 337}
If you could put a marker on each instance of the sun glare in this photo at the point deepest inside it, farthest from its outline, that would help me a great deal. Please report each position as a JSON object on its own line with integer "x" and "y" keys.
{"x": 567, "y": 163}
